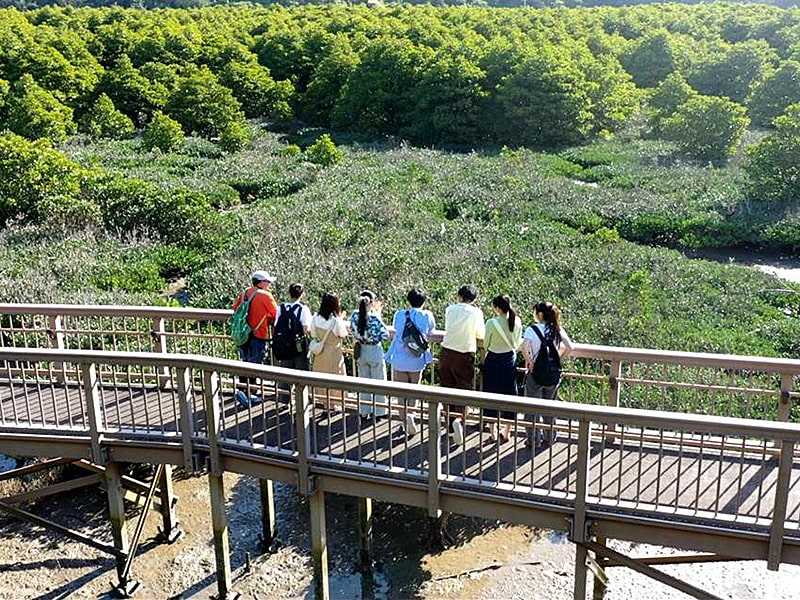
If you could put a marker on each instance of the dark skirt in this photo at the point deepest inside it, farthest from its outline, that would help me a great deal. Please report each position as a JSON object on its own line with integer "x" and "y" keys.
{"x": 499, "y": 377}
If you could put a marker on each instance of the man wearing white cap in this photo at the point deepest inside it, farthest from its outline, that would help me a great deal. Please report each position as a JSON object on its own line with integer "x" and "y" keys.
{"x": 260, "y": 317}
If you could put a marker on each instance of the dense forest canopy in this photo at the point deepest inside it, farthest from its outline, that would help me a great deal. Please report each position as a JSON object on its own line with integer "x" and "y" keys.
{"x": 540, "y": 148}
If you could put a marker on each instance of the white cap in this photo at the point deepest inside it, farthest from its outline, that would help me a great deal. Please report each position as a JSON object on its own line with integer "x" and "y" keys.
{"x": 263, "y": 276}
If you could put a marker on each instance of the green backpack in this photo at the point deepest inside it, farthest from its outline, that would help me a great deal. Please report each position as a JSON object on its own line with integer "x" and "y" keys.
{"x": 240, "y": 328}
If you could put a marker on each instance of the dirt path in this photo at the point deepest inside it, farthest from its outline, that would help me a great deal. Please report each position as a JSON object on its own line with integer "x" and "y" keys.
{"x": 489, "y": 560}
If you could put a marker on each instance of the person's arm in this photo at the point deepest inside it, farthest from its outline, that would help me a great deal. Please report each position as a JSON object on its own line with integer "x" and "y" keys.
{"x": 566, "y": 345}
{"x": 487, "y": 340}
{"x": 480, "y": 326}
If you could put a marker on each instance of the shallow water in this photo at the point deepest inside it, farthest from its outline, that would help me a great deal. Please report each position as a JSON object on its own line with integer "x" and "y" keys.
{"x": 784, "y": 267}
{"x": 7, "y": 463}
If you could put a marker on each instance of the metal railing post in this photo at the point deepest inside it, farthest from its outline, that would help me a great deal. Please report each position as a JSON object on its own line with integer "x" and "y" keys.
{"x": 186, "y": 411}
{"x": 158, "y": 334}
{"x": 434, "y": 457}
{"x": 780, "y": 506}
{"x": 785, "y": 404}
{"x": 216, "y": 484}
{"x": 302, "y": 412}
{"x": 614, "y": 391}
{"x": 55, "y": 331}
{"x": 91, "y": 392}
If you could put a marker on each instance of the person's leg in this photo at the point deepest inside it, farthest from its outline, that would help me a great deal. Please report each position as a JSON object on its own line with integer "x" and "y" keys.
{"x": 464, "y": 370}
{"x": 548, "y": 434}
{"x": 408, "y": 417}
{"x": 532, "y": 390}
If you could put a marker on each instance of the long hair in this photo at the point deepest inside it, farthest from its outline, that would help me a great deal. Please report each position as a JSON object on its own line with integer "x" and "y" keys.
{"x": 364, "y": 300}
{"x": 503, "y": 302}
{"x": 329, "y": 305}
{"x": 551, "y": 315}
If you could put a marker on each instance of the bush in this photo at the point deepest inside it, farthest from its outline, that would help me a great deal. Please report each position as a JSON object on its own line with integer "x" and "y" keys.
{"x": 35, "y": 113}
{"x": 707, "y": 128}
{"x": 104, "y": 120}
{"x": 33, "y": 176}
{"x": 234, "y": 137}
{"x": 324, "y": 152}
{"x": 773, "y": 165}
{"x": 163, "y": 133}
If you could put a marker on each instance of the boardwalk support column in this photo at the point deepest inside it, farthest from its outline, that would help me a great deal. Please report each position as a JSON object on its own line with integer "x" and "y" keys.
{"x": 597, "y": 567}
{"x": 365, "y": 534}
{"x": 578, "y": 529}
{"x": 216, "y": 486}
{"x": 781, "y": 502}
{"x": 170, "y": 532}
{"x": 319, "y": 545}
{"x": 269, "y": 529}
{"x": 119, "y": 528}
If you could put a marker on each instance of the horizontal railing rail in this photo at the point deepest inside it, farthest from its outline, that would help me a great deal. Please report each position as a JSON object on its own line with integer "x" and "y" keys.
{"x": 669, "y": 466}
{"x": 746, "y": 386}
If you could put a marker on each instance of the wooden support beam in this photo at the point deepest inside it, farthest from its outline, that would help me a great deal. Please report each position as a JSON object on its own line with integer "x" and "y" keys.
{"x": 139, "y": 488}
{"x": 599, "y": 573}
{"x": 78, "y": 537}
{"x": 169, "y": 518}
{"x": 269, "y": 529}
{"x": 578, "y": 529}
{"x": 365, "y": 534}
{"x": 94, "y": 412}
{"x": 35, "y": 468}
{"x": 632, "y": 563}
{"x": 119, "y": 526}
{"x": 781, "y": 505}
{"x": 51, "y": 490}
{"x": 319, "y": 546}
{"x": 676, "y": 560}
{"x": 434, "y": 458}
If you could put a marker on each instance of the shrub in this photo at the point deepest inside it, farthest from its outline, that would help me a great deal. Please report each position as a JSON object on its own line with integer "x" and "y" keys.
{"x": 324, "y": 152}
{"x": 773, "y": 165}
{"x": 163, "y": 133}
{"x": 104, "y": 120}
{"x": 33, "y": 175}
{"x": 35, "y": 113}
{"x": 234, "y": 136}
{"x": 707, "y": 128}
{"x": 290, "y": 150}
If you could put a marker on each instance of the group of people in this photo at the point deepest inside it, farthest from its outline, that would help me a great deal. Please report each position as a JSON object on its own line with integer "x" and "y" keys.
{"x": 301, "y": 340}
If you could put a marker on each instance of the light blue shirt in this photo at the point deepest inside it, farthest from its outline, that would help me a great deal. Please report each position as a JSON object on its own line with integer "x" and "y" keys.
{"x": 398, "y": 355}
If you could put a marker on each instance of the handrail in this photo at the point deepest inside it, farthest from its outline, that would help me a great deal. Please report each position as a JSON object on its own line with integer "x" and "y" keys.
{"x": 777, "y": 365}
{"x": 565, "y": 410}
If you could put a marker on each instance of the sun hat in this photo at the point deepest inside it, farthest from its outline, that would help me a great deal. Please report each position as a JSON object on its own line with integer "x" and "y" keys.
{"x": 263, "y": 276}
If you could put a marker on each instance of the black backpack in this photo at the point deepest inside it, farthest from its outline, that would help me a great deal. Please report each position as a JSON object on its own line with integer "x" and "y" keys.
{"x": 413, "y": 338}
{"x": 288, "y": 339}
{"x": 547, "y": 364}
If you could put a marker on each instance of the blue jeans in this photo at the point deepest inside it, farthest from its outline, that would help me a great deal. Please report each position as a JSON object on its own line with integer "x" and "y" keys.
{"x": 253, "y": 351}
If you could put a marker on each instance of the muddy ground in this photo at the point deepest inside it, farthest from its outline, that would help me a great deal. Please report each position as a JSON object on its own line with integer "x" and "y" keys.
{"x": 489, "y": 559}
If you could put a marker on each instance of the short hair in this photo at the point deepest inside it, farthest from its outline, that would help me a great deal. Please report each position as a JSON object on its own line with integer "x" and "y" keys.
{"x": 468, "y": 292}
{"x": 295, "y": 290}
{"x": 416, "y": 297}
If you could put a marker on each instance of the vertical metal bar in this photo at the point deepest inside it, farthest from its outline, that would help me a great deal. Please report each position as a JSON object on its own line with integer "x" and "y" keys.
{"x": 216, "y": 483}
{"x": 303, "y": 407}
{"x": 92, "y": 393}
{"x": 781, "y": 502}
{"x": 55, "y": 327}
{"x": 434, "y": 457}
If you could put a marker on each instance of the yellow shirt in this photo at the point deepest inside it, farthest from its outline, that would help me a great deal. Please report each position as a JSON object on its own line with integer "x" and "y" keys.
{"x": 463, "y": 326}
{"x": 498, "y": 336}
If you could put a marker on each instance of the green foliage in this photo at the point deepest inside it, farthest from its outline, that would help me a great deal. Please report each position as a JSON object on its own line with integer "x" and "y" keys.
{"x": 324, "y": 152}
{"x": 131, "y": 92}
{"x": 34, "y": 178}
{"x": 652, "y": 58}
{"x": 258, "y": 93}
{"x": 163, "y": 133}
{"x": 104, "y": 120}
{"x": 35, "y": 113}
{"x": 707, "y": 128}
{"x": 774, "y": 94}
{"x": 734, "y": 71}
{"x": 202, "y": 105}
{"x": 234, "y": 137}
{"x": 774, "y": 164}
{"x": 664, "y": 102}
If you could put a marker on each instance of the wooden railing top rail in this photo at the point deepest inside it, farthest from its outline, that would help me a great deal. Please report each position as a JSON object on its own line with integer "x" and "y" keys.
{"x": 696, "y": 359}
{"x": 582, "y": 412}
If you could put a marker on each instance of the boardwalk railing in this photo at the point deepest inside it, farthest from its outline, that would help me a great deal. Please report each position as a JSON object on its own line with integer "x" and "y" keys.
{"x": 696, "y": 383}
{"x": 611, "y": 467}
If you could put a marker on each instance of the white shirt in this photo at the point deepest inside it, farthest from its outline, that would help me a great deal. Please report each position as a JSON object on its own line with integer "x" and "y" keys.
{"x": 337, "y": 326}
{"x": 305, "y": 314}
{"x": 531, "y": 341}
{"x": 463, "y": 326}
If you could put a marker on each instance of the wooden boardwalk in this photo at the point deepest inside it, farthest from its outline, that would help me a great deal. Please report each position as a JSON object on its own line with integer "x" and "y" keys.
{"x": 676, "y": 475}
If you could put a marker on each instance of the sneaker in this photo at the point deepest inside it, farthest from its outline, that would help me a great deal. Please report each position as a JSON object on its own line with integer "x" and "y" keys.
{"x": 411, "y": 426}
{"x": 458, "y": 432}
{"x": 254, "y": 400}
{"x": 242, "y": 398}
